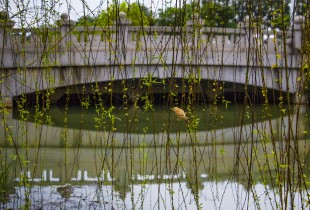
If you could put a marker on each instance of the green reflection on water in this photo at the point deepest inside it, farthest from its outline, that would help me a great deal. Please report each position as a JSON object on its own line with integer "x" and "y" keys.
{"x": 160, "y": 119}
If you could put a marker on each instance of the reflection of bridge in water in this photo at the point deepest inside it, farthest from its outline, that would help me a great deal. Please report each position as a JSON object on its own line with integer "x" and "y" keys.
{"x": 81, "y": 148}
{"x": 75, "y": 171}
{"x": 159, "y": 135}
{"x": 125, "y": 162}
{"x": 92, "y": 59}
{"x": 56, "y": 166}
{"x": 82, "y": 176}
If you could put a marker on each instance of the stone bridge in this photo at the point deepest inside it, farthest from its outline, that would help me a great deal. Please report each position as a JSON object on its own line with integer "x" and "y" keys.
{"x": 34, "y": 60}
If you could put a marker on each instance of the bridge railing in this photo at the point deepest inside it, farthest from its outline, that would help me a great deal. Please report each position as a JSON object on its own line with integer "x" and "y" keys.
{"x": 122, "y": 38}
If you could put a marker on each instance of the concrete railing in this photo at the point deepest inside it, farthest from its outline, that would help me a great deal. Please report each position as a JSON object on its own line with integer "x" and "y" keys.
{"x": 26, "y": 47}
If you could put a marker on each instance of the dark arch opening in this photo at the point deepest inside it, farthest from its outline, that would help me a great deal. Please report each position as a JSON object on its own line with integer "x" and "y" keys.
{"x": 172, "y": 91}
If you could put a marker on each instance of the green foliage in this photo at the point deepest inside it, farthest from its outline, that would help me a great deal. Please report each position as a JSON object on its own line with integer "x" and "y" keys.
{"x": 137, "y": 13}
{"x": 274, "y": 14}
{"x": 280, "y": 20}
{"x": 86, "y": 21}
{"x": 174, "y": 16}
{"x": 216, "y": 14}
{"x": 212, "y": 13}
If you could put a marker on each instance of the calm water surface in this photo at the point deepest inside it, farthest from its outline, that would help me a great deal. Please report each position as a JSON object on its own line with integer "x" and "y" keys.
{"x": 103, "y": 158}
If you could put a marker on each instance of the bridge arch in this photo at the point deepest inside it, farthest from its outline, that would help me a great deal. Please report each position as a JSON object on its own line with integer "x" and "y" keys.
{"x": 170, "y": 90}
{"x": 223, "y": 55}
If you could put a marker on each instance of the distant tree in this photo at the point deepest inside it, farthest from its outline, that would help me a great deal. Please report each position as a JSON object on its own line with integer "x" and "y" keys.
{"x": 149, "y": 14}
{"x": 218, "y": 14}
{"x": 301, "y": 8}
{"x": 109, "y": 16}
{"x": 86, "y": 21}
{"x": 269, "y": 14}
{"x": 174, "y": 16}
{"x": 138, "y": 14}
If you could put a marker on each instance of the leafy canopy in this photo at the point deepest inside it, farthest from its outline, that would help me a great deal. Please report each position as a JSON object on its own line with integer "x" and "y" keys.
{"x": 138, "y": 14}
{"x": 221, "y": 13}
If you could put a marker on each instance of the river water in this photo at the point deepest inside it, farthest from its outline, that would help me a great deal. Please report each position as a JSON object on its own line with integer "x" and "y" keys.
{"x": 223, "y": 157}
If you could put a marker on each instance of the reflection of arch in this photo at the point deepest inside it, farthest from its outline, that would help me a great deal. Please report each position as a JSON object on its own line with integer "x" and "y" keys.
{"x": 122, "y": 176}
{"x": 54, "y": 136}
{"x": 88, "y": 152}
